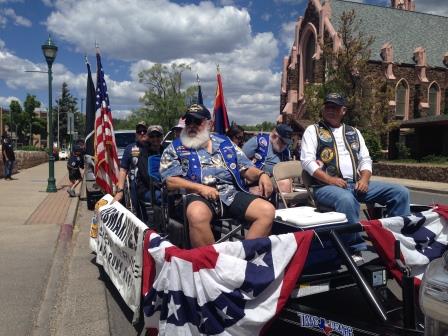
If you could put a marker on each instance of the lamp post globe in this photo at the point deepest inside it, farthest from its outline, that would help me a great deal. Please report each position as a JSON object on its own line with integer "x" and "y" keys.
{"x": 50, "y": 50}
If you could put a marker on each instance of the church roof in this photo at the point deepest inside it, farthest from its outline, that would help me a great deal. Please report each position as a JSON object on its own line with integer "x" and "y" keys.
{"x": 406, "y": 30}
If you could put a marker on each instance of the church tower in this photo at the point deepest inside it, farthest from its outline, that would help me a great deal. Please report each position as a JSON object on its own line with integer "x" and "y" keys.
{"x": 403, "y": 4}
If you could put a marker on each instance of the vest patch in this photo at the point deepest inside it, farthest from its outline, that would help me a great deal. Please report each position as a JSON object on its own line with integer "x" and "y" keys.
{"x": 327, "y": 155}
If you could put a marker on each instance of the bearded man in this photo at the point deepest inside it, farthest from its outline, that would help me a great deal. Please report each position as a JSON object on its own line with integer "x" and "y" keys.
{"x": 266, "y": 150}
{"x": 212, "y": 169}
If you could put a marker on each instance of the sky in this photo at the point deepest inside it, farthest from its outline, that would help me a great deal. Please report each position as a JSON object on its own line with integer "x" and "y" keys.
{"x": 247, "y": 38}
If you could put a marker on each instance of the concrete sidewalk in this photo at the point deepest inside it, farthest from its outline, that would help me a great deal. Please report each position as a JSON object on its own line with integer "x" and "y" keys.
{"x": 428, "y": 186}
{"x": 35, "y": 233}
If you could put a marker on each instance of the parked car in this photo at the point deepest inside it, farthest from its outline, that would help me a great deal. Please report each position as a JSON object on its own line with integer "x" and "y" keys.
{"x": 63, "y": 154}
{"x": 122, "y": 139}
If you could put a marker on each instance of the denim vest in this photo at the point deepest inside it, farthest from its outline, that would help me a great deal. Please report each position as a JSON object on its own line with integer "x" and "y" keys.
{"x": 262, "y": 151}
{"x": 189, "y": 158}
{"x": 327, "y": 151}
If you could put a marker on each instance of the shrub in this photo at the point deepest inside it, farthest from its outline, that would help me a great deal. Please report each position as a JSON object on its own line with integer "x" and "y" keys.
{"x": 30, "y": 148}
{"x": 373, "y": 145}
{"x": 403, "y": 151}
{"x": 435, "y": 159}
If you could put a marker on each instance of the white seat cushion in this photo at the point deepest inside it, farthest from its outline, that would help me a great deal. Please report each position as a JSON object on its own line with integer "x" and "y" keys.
{"x": 305, "y": 216}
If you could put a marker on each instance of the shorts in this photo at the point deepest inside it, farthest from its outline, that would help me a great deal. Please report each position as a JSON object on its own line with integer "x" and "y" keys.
{"x": 235, "y": 210}
{"x": 74, "y": 175}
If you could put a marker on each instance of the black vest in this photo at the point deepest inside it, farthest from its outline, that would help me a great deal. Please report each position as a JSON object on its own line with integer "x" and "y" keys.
{"x": 327, "y": 151}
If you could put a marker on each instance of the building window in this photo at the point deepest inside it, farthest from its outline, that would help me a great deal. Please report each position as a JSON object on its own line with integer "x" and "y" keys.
{"x": 310, "y": 50}
{"x": 402, "y": 99}
{"x": 434, "y": 99}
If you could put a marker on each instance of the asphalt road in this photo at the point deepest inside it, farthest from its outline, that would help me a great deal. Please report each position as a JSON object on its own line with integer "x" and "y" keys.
{"x": 120, "y": 316}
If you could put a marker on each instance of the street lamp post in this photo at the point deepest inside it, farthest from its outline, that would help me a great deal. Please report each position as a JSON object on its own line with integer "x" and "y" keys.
{"x": 49, "y": 49}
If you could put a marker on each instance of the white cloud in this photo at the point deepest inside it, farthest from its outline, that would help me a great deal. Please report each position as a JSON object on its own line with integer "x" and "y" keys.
{"x": 5, "y": 101}
{"x": 287, "y": 34}
{"x": 226, "y": 2}
{"x": 266, "y": 17}
{"x": 9, "y": 14}
{"x": 158, "y": 30}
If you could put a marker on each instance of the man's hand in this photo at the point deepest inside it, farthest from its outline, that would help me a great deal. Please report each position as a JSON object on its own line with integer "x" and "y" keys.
{"x": 265, "y": 184}
{"x": 118, "y": 196}
{"x": 362, "y": 185}
{"x": 338, "y": 182}
{"x": 209, "y": 193}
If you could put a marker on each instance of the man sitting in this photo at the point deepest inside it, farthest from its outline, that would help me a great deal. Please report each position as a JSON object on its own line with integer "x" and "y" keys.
{"x": 336, "y": 156}
{"x": 266, "y": 150}
{"x": 213, "y": 169}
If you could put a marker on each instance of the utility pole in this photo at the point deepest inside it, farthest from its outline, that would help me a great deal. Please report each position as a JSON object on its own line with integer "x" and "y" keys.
{"x": 58, "y": 129}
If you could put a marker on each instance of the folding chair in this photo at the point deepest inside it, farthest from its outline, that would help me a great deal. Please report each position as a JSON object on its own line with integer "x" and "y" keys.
{"x": 291, "y": 170}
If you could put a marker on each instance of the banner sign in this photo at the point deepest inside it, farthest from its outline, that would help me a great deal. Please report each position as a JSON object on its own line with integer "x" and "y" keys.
{"x": 119, "y": 241}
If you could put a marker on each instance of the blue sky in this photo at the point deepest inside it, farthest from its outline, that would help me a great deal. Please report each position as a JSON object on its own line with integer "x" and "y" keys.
{"x": 247, "y": 38}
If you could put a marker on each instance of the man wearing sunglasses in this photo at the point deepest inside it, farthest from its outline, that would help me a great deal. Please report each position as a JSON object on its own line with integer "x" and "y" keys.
{"x": 213, "y": 169}
{"x": 129, "y": 163}
{"x": 266, "y": 150}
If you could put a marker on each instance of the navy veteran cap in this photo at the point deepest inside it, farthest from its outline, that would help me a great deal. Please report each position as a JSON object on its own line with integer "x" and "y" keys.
{"x": 198, "y": 111}
{"x": 141, "y": 125}
{"x": 285, "y": 133}
{"x": 334, "y": 98}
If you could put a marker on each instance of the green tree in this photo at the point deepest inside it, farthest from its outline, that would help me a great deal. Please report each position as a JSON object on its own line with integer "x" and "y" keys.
{"x": 16, "y": 114}
{"x": 64, "y": 105}
{"x": 32, "y": 123}
{"x": 265, "y": 126}
{"x": 164, "y": 100}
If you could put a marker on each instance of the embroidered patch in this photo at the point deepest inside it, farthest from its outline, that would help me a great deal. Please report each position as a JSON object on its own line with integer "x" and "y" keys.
{"x": 262, "y": 141}
{"x": 354, "y": 146}
{"x": 327, "y": 155}
{"x": 232, "y": 165}
{"x": 331, "y": 170}
{"x": 325, "y": 135}
{"x": 185, "y": 163}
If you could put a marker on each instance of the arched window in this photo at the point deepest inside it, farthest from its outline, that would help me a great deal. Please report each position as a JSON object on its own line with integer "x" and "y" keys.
{"x": 434, "y": 99}
{"x": 310, "y": 50}
{"x": 402, "y": 99}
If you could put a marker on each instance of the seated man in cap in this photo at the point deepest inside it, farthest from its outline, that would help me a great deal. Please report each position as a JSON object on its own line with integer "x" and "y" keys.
{"x": 129, "y": 163}
{"x": 154, "y": 147}
{"x": 336, "y": 156}
{"x": 265, "y": 150}
{"x": 213, "y": 169}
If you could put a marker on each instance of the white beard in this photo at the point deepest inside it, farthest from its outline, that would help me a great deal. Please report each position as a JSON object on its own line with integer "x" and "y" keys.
{"x": 198, "y": 141}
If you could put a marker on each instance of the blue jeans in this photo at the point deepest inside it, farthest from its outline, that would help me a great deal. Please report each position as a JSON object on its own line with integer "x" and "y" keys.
{"x": 7, "y": 169}
{"x": 395, "y": 197}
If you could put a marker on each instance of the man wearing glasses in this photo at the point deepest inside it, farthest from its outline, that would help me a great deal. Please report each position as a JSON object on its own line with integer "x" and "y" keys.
{"x": 129, "y": 163}
{"x": 213, "y": 170}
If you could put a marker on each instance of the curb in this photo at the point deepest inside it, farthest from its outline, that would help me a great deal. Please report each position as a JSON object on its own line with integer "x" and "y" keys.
{"x": 44, "y": 324}
{"x": 428, "y": 190}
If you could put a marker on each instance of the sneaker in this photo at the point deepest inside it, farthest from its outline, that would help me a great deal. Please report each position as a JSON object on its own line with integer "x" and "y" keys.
{"x": 71, "y": 192}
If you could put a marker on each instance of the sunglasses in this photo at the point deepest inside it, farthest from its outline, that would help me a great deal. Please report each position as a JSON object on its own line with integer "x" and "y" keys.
{"x": 240, "y": 137}
{"x": 155, "y": 135}
{"x": 195, "y": 121}
{"x": 141, "y": 132}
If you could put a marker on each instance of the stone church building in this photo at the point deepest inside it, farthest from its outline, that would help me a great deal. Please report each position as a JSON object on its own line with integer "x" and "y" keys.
{"x": 410, "y": 51}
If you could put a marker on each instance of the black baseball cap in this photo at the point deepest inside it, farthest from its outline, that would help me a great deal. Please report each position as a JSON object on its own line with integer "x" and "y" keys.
{"x": 198, "y": 111}
{"x": 334, "y": 98}
{"x": 285, "y": 133}
{"x": 141, "y": 125}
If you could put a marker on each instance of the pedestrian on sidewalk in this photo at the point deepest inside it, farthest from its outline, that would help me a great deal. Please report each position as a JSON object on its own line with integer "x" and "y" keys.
{"x": 74, "y": 165}
{"x": 8, "y": 156}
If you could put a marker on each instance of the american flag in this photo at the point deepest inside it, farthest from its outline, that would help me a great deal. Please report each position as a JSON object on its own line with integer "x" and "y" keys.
{"x": 423, "y": 237}
{"x": 106, "y": 167}
{"x": 220, "y": 116}
{"x": 230, "y": 288}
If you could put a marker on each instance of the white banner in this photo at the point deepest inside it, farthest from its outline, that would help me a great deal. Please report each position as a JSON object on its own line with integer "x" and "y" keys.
{"x": 119, "y": 245}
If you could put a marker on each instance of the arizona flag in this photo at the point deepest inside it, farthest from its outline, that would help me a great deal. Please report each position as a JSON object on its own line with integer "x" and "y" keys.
{"x": 106, "y": 166}
{"x": 423, "y": 237}
{"x": 220, "y": 116}
{"x": 230, "y": 288}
